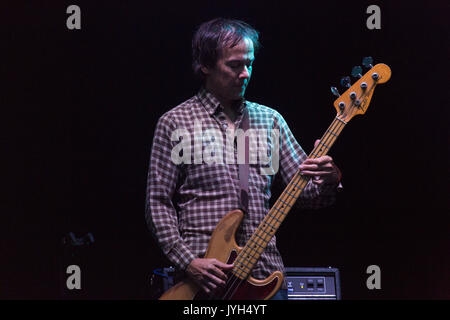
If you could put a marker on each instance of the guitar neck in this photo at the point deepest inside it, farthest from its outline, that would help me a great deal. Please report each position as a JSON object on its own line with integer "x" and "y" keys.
{"x": 255, "y": 246}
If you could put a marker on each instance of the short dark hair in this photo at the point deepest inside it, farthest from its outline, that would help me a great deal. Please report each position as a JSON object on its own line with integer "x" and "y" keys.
{"x": 214, "y": 35}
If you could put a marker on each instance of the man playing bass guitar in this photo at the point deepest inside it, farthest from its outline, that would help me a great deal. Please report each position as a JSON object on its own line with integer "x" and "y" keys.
{"x": 193, "y": 179}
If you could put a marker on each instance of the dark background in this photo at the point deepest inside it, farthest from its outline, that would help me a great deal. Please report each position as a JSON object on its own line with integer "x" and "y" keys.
{"x": 79, "y": 109}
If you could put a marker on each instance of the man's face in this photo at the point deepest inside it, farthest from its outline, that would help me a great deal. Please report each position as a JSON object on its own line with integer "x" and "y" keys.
{"x": 229, "y": 78}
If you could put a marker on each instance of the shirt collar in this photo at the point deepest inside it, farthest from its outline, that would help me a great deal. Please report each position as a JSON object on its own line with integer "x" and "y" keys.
{"x": 211, "y": 103}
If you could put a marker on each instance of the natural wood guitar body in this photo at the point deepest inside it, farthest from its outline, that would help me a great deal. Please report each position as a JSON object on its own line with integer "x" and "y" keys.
{"x": 223, "y": 247}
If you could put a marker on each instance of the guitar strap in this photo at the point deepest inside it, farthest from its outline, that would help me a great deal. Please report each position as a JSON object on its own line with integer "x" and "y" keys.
{"x": 244, "y": 168}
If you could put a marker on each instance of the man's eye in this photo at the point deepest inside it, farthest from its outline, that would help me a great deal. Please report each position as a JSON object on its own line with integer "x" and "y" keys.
{"x": 236, "y": 65}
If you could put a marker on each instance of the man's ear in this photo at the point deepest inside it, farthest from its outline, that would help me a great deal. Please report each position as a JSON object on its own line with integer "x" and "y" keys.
{"x": 204, "y": 69}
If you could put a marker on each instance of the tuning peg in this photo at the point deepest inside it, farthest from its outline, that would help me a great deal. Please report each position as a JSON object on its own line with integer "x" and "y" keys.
{"x": 345, "y": 82}
{"x": 367, "y": 62}
{"x": 356, "y": 72}
{"x": 335, "y": 91}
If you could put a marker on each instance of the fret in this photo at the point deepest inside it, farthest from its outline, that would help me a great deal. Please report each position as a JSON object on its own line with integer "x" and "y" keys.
{"x": 285, "y": 203}
{"x": 264, "y": 239}
{"x": 332, "y": 133}
{"x": 239, "y": 274}
{"x": 293, "y": 197}
{"x": 247, "y": 254}
{"x": 268, "y": 233}
{"x": 265, "y": 224}
{"x": 252, "y": 254}
{"x": 281, "y": 210}
{"x": 272, "y": 217}
{"x": 241, "y": 265}
{"x": 235, "y": 273}
{"x": 296, "y": 184}
{"x": 255, "y": 250}
{"x": 296, "y": 189}
{"x": 236, "y": 268}
{"x": 242, "y": 259}
{"x": 277, "y": 209}
{"x": 257, "y": 235}
{"x": 248, "y": 257}
{"x": 326, "y": 146}
{"x": 262, "y": 228}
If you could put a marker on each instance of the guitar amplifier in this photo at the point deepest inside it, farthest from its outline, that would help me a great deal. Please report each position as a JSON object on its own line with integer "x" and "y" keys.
{"x": 313, "y": 283}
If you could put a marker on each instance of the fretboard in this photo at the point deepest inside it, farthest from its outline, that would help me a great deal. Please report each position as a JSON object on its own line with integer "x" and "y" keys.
{"x": 255, "y": 246}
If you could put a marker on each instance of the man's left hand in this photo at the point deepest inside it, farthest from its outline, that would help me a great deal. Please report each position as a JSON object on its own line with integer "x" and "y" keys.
{"x": 322, "y": 169}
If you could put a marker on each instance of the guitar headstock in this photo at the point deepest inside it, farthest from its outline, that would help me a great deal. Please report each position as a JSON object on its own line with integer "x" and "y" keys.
{"x": 356, "y": 99}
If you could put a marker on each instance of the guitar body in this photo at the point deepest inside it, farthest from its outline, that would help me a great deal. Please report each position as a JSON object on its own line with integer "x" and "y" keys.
{"x": 222, "y": 246}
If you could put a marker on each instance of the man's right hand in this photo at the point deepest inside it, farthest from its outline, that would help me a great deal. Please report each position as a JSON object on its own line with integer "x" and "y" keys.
{"x": 208, "y": 273}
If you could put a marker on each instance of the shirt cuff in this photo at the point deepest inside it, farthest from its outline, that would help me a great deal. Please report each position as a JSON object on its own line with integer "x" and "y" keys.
{"x": 181, "y": 255}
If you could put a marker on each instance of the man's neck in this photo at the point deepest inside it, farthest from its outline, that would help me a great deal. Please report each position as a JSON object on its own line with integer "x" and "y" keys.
{"x": 230, "y": 107}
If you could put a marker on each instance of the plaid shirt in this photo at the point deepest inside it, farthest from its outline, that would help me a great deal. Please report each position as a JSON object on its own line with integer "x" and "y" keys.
{"x": 185, "y": 201}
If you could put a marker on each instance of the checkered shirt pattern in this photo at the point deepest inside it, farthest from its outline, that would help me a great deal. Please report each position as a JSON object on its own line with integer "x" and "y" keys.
{"x": 186, "y": 201}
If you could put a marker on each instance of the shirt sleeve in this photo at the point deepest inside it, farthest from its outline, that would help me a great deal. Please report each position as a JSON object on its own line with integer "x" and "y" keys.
{"x": 160, "y": 213}
{"x": 291, "y": 156}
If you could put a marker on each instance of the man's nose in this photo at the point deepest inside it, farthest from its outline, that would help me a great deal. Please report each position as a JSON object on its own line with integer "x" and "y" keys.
{"x": 245, "y": 74}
